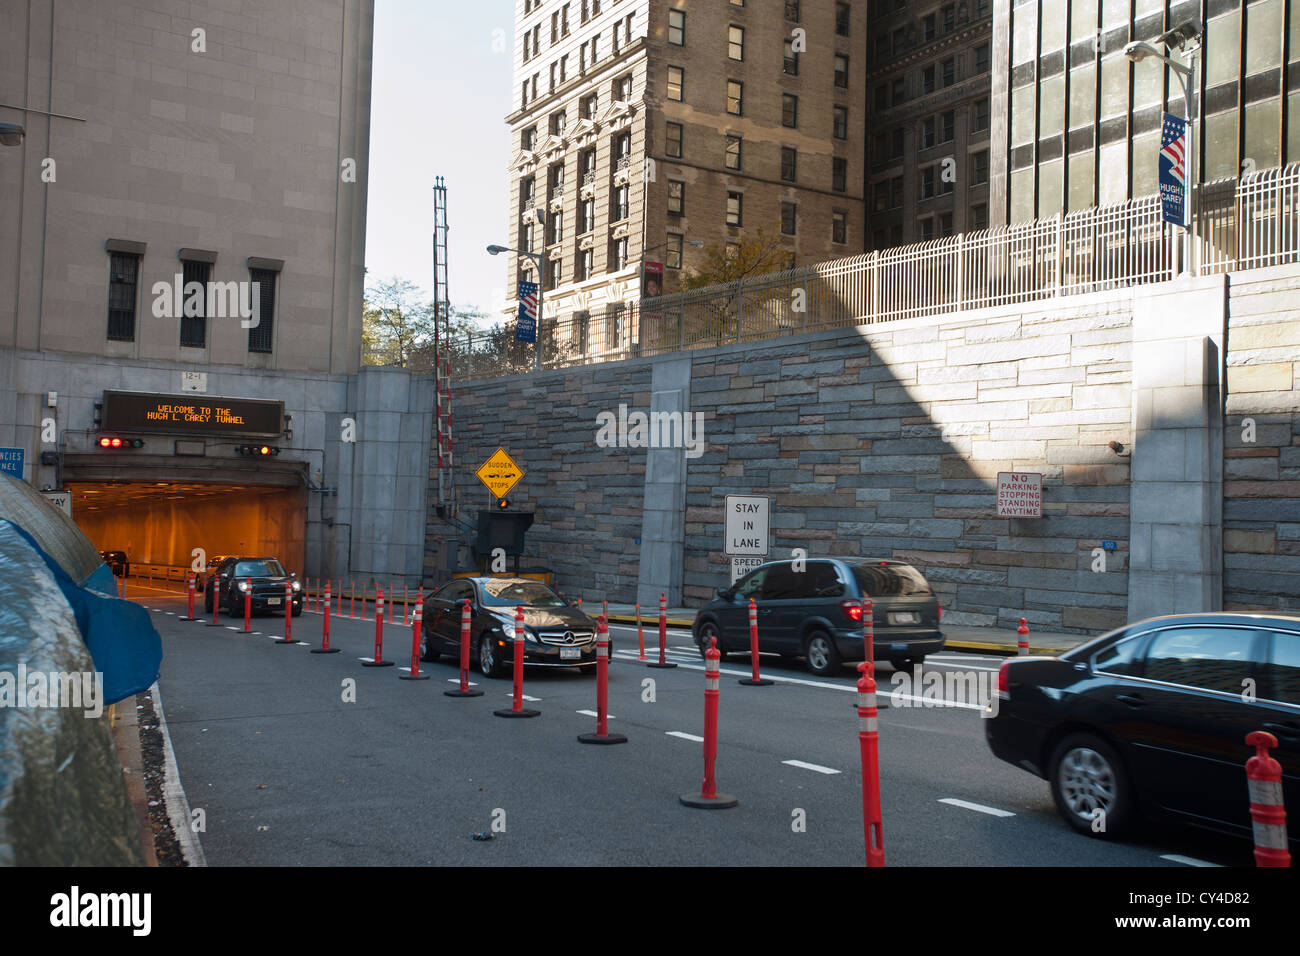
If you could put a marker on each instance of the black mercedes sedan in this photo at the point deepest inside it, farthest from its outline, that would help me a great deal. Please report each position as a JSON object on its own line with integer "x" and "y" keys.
{"x": 812, "y": 609}
{"x": 555, "y": 633}
{"x": 232, "y": 579}
{"x": 1151, "y": 719}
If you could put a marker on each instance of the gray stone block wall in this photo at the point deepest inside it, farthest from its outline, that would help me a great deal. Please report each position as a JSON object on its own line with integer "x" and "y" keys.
{"x": 1261, "y": 439}
{"x": 885, "y": 441}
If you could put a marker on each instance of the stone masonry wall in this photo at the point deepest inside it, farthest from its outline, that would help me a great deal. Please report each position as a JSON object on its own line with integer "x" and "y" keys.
{"x": 1261, "y": 479}
{"x": 886, "y": 442}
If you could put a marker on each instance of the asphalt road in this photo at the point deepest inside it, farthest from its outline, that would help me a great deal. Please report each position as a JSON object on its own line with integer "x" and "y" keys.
{"x": 289, "y": 773}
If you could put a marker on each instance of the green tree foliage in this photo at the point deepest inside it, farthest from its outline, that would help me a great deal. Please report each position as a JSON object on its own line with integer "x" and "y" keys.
{"x": 397, "y": 326}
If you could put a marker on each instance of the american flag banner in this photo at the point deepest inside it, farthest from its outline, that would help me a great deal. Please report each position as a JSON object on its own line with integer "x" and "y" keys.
{"x": 1173, "y": 169}
{"x": 526, "y": 326}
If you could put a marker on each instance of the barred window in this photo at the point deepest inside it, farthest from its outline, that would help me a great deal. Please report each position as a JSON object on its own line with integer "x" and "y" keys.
{"x": 260, "y": 336}
{"x": 123, "y": 280}
{"x": 194, "y": 317}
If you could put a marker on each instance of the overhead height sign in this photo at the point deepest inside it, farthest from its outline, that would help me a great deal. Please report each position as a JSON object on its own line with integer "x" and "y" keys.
{"x": 499, "y": 473}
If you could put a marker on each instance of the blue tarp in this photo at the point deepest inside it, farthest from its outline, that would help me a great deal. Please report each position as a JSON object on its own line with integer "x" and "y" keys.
{"x": 121, "y": 638}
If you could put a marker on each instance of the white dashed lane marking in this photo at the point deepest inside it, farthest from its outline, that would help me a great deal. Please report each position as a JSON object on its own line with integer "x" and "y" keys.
{"x": 1185, "y": 860}
{"x": 977, "y": 807}
{"x": 809, "y": 766}
{"x": 586, "y": 713}
{"x": 684, "y": 736}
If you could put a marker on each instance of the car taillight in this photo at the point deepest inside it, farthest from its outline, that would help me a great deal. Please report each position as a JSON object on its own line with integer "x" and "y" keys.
{"x": 1004, "y": 682}
{"x": 853, "y": 609}
{"x": 940, "y": 612}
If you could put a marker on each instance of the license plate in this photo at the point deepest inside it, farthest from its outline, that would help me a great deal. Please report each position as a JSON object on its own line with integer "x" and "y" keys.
{"x": 904, "y": 617}
{"x": 898, "y": 647}
{"x": 570, "y": 653}
{"x": 272, "y": 600}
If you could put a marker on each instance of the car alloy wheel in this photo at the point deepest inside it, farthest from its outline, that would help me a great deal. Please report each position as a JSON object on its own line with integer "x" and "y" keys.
{"x": 487, "y": 662}
{"x": 823, "y": 658}
{"x": 1089, "y": 785}
{"x": 706, "y": 631}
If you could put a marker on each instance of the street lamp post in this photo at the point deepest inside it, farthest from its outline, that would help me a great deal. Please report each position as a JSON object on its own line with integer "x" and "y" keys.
{"x": 1186, "y": 38}
{"x": 540, "y": 259}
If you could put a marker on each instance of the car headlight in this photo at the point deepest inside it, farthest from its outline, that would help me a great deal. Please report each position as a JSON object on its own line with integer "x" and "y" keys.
{"x": 243, "y": 585}
{"x": 297, "y": 586}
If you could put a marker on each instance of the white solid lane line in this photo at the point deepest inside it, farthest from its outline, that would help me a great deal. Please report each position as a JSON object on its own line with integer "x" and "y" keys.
{"x": 978, "y": 807}
{"x": 678, "y": 733}
{"x": 1185, "y": 860}
{"x": 809, "y": 766}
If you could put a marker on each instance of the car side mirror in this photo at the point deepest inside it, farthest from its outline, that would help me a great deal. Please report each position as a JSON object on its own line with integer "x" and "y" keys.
{"x": 725, "y": 593}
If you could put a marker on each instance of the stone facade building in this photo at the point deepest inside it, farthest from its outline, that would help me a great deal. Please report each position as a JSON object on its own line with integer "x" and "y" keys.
{"x": 651, "y": 130}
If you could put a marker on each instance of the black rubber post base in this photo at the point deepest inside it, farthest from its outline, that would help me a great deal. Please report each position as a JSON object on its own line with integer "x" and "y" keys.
{"x": 657, "y": 664}
{"x": 463, "y": 693}
{"x": 607, "y": 739}
{"x": 285, "y": 640}
{"x": 517, "y": 713}
{"x": 210, "y": 624}
{"x": 750, "y": 682}
{"x": 720, "y": 802}
{"x": 188, "y": 619}
{"x": 414, "y": 677}
{"x": 250, "y": 632}
{"x": 324, "y": 650}
{"x": 377, "y": 663}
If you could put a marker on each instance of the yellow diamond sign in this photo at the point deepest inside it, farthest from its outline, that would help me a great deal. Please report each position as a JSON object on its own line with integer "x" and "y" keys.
{"x": 500, "y": 473}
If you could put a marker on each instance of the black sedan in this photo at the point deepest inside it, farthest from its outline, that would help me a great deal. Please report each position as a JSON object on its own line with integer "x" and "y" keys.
{"x": 812, "y": 609}
{"x": 1152, "y": 719}
{"x": 264, "y": 578}
{"x": 117, "y": 563}
{"x": 555, "y": 634}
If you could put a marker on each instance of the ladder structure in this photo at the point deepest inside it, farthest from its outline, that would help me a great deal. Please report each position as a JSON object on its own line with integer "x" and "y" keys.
{"x": 442, "y": 351}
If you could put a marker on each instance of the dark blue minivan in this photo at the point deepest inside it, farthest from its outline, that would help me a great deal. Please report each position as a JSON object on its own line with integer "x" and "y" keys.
{"x": 812, "y": 609}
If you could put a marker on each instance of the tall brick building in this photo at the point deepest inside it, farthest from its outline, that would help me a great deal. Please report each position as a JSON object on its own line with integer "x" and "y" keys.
{"x": 644, "y": 127}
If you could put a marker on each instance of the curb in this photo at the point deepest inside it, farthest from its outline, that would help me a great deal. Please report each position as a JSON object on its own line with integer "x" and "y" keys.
{"x": 125, "y": 729}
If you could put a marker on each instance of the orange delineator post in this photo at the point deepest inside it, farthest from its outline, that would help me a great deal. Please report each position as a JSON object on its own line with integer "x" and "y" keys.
{"x": 755, "y": 680}
{"x": 709, "y": 798}
{"x": 325, "y": 628}
{"x": 464, "y": 690}
{"x": 288, "y": 614}
{"x": 640, "y": 636}
{"x": 1023, "y": 631}
{"x": 248, "y": 606}
{"x": 663, "y": 634}
{"x": 517, "y": 708}
{"x": 868, "y": 744}
{"x": 1267, "y": 812}
{"x": 602, "y": 734}
{"x": 379, "y": 632}
{"x": 415, "y": 644}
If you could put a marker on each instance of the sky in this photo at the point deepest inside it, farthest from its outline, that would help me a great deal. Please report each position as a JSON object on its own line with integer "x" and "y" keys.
{"x": 441, "y": 92}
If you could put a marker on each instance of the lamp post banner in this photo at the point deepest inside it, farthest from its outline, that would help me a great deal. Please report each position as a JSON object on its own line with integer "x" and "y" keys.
{"x": 1173, "y": 170}
{"x": 526, "y": 326}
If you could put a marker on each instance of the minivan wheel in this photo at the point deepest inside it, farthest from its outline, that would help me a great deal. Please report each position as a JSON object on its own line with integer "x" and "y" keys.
{"x": 823, "y": 658}
{"x": 707, "y": 630}
{"x": 1087, "y": 777}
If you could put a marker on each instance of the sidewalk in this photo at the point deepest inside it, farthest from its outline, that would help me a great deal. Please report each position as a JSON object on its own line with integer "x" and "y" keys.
{"x": 979, "y": 640}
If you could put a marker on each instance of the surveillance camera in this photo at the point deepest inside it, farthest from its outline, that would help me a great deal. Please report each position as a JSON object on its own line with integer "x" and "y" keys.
{"x": 1183, "y": 35}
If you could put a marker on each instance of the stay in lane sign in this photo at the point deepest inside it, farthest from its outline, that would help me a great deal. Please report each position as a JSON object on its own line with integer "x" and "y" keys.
{"x": 499, "y": 473}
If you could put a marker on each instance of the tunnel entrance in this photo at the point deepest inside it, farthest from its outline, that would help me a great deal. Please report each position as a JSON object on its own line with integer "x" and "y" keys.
{"x": 159, "y": 514}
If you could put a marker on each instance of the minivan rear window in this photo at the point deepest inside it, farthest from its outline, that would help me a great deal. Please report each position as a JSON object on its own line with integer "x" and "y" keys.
{"x": 890, "y": 580}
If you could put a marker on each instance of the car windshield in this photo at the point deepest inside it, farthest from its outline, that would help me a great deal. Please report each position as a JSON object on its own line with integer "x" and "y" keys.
{"x": 529, "y": 593}
{"x": 890, "y": 580}
{"x": 262, "y": 568}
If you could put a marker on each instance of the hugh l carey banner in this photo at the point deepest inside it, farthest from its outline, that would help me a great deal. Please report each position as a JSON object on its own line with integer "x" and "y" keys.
{"x": 1173, "y": 170}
